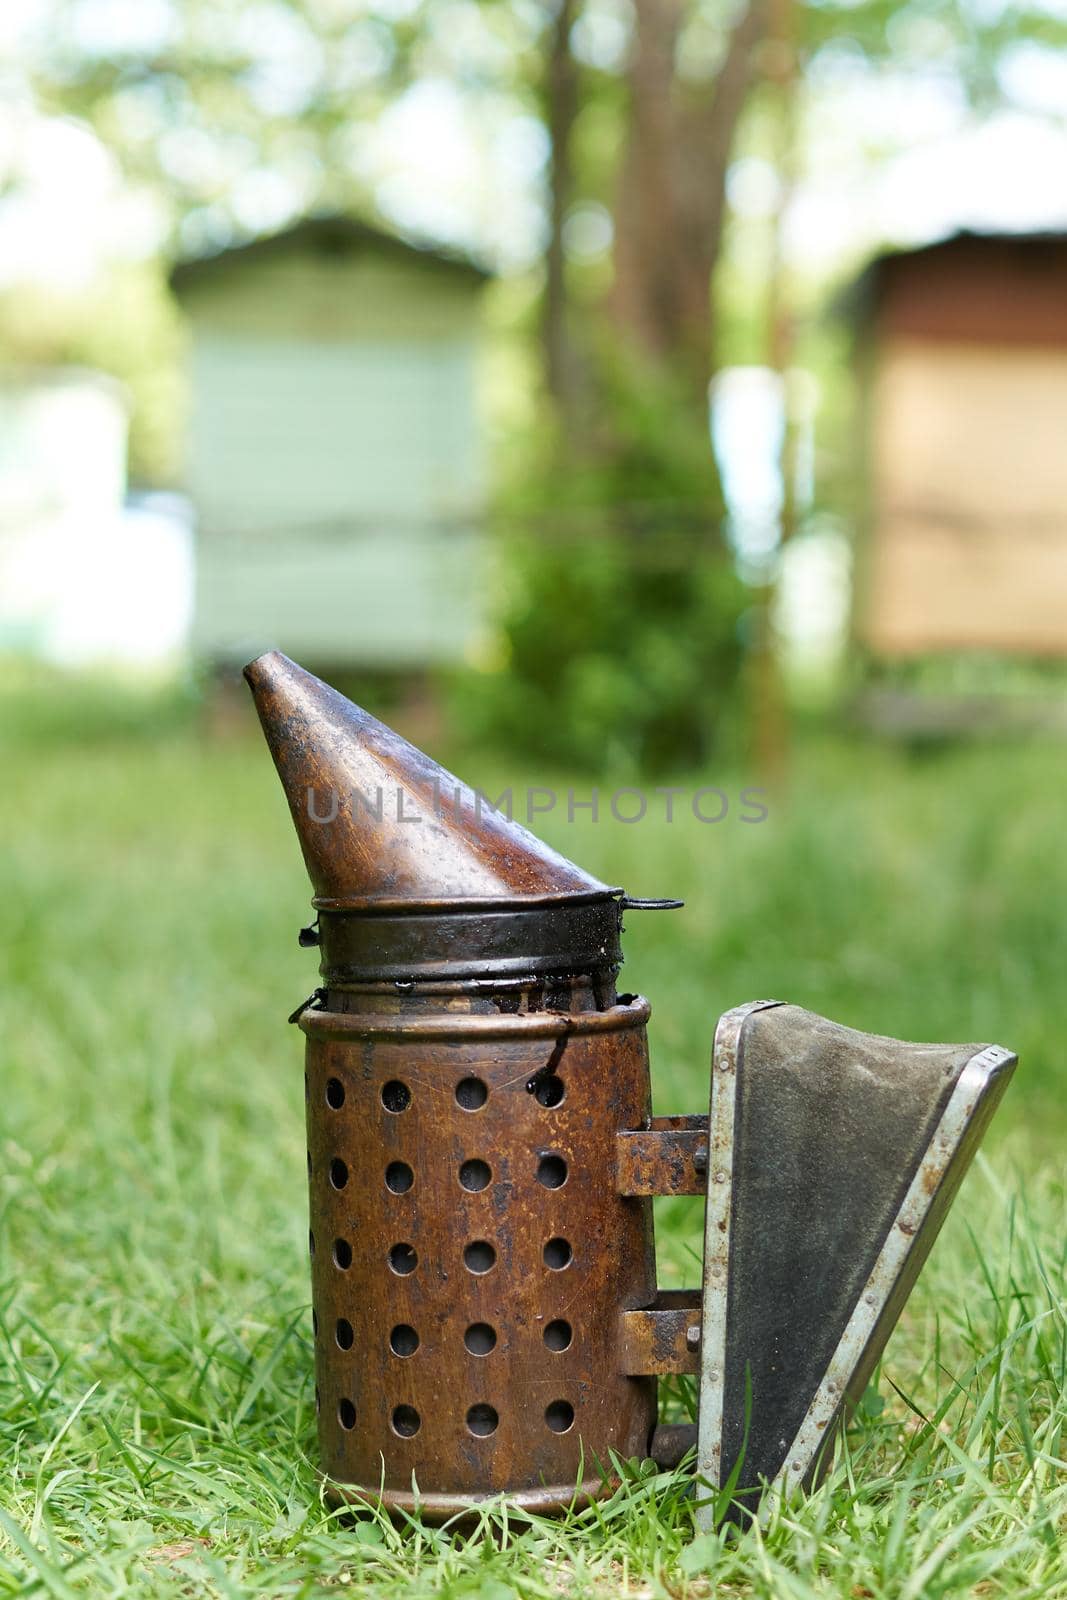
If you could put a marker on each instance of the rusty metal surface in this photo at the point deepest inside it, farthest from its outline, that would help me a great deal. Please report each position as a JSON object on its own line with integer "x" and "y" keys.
{"x": 470, "y": 1261}
{"x": 664, "y": 1337}
{"x": 478, "y": 997}
{"x": 459, "y": 849}
{"x": 417, "y": 876}
{"x": 669, "y": 1157}
{"x": 469, "y": 1068}
{"x": 576, "y": 935}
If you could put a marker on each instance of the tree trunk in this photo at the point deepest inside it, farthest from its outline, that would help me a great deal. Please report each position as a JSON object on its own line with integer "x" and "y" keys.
{"x": 671, "y": 202}
{"x": 562, "y": 374}
{"x": 645, "y": 210}
{"x": 769, "y": 708}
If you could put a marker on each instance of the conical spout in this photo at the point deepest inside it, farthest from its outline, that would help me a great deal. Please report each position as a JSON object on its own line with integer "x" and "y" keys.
{"x": 380, "y": 824}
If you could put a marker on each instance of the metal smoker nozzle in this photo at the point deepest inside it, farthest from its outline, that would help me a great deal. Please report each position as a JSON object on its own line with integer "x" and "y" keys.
{"x": 461, "y": 955}
{"x": 405, "y": 830}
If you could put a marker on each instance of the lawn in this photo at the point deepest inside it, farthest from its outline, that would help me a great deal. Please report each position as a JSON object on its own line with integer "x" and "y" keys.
{"x": 155, "y": 1387}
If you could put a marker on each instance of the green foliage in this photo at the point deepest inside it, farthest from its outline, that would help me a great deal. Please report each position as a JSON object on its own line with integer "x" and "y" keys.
{"x": 45, "y": 705}
{"x": 621, "y": 647}
{"x": 619, "y": 605}
{"x": 125, "y": 324}
{"x": 156, "y": 1387}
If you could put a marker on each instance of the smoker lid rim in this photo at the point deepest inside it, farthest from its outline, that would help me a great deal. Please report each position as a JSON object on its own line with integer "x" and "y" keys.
{"x": 394, "y": 905}
{"x": 620, "y": 1016}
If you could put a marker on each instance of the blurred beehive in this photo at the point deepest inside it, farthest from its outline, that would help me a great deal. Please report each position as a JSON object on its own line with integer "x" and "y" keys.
{"x": 963, "y": 367}
{"x": 335, "y": 455}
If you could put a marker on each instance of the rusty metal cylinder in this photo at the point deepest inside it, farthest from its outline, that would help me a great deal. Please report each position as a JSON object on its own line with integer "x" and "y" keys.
{"x": 470, "y": 1253}
{"x": 470, "y": 1072}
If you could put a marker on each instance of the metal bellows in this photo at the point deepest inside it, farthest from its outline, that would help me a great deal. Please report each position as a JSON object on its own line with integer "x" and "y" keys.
{"x": 483, "y": 1157}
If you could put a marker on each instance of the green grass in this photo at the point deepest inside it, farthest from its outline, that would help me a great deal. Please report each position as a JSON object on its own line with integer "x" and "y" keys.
{"x": 155, "y": 1381}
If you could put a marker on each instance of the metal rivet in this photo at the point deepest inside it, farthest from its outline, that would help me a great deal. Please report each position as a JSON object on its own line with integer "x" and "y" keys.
{"x": 869, "y": 1299}
{"x": 797, "y": 1466}
{"x": 720, "y": 1177}
{"x": 713, "y": 1375}
{"x": 692, "y": 1336}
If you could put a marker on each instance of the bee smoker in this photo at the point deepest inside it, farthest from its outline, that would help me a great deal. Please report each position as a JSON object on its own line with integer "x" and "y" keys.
{"x": 482, "y": 1159}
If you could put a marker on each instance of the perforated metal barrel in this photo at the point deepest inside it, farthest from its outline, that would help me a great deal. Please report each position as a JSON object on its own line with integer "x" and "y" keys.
{"x": 470, "y": 1070}
{"x": 470, "y": 1256}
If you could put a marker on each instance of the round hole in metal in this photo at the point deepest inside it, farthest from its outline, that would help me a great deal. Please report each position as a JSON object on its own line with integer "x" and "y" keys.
{"x": 403, "y": 1259}
{"x": 557, "y": 1254}
{"x": 343, "y": 1333}
{"x": 471, "y": 1094}
{"x": 403, "y": 1341}
{"x": 559, "y": 1334}
{"x": 396, "y": 1096}
{"x": 346, "y": 1414}
{"x": 482, "y": 1420}
{"x": 398, "y": 1177}
{"x": 335, "y": 1093}
{"x": 474, "y": 1175}
{"x": 339, "y": 1173}
{"x": 479, "y": 1256}
{"x": 342, "y": 1254}
{"x": 480, "y": 1338}
{"x": 552, "y": 1172}
{"x": 406, "y": 1421}
{"x": 559, "y": 1415}
{"x": 550, "y": 1091}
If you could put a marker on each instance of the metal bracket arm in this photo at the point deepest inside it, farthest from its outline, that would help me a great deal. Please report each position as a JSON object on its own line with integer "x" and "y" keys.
{"x": 668, "y": 1157}
{"x": 663, "y": 1337}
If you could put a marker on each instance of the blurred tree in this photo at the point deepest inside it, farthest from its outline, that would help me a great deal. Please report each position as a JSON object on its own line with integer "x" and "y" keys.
{"x": 629, "y": 559}
{"x": 240, "y": 114}
{"x": 671, "y": 196}
{"x": 562, "y": 103}
{"x": 237, "y": 112}
{"x": 127, "y": 326}
{"x": 673, "y": 112}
